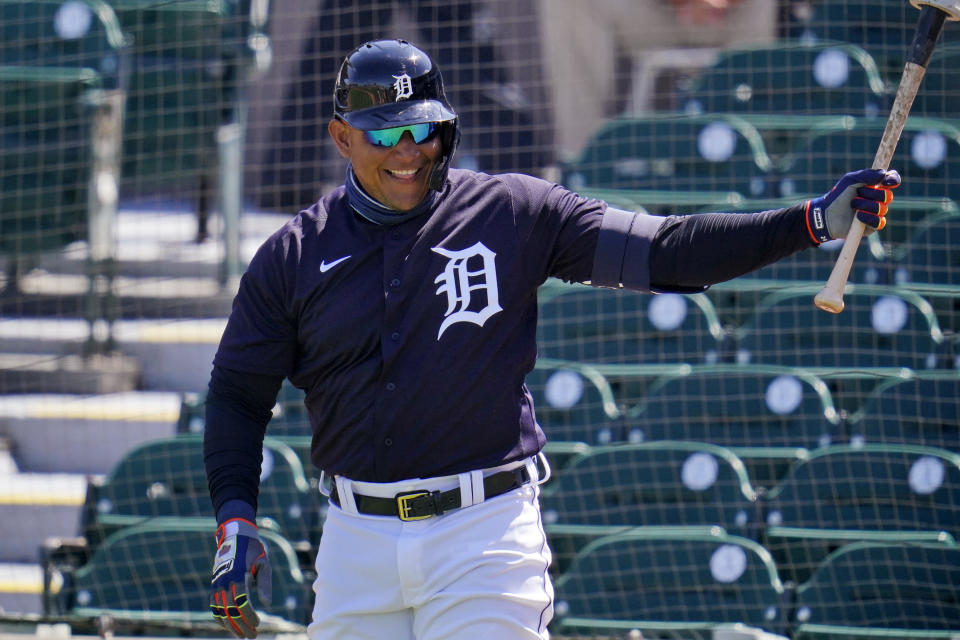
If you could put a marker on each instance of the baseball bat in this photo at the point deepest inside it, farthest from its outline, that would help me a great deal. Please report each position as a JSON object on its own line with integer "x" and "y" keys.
{"x": 928, "y": 30}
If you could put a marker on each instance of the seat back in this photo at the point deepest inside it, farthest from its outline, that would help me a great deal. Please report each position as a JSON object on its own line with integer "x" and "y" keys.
{"x": 656, "y": 579}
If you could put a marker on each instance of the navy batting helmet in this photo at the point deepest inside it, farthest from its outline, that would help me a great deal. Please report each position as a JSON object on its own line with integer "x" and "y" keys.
{"x": 392, "y": 83}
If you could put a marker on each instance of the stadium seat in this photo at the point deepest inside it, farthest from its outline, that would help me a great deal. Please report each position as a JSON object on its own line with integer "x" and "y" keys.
{"x": 878, "y": 256}
{"x": 669, "y": 582}
{"x": 574, "y": 404}
{"x": 930, "y": 256}
{"x": 940, "y": 96}
{"x": 160, "y": 570}
{"x": 592, "y": 325}
{"x": 669, "y": 483}
{"x": 884, "y": 28}
{"x": 881, "y": 590}
{"x": 787, "y": 77}
{"x": 55, "y": 58}
{"x": 871, "y": 490}
{"x": 51, "y": 33}
{"x": 927, "y": 156}
{"x": 913, "y": 411}
{"x": 167, "y": 478}
{"x": 765, "y": 414}
{"x": 881, "y": 327}
{"x": 190, "y": 63}
{"x": 674, "y": 153}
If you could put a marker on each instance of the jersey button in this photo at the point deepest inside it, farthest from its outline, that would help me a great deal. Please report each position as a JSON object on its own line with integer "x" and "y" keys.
{"x": 388, "y": 442}
{"x": 395, "y": 336}
{"x": 391, "y": 386}
{"x": 395, "y": 282}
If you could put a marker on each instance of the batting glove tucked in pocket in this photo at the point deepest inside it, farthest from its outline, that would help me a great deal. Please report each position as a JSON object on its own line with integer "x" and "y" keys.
{"x": 866, "y": 193}
{"x": 241, "y": 563}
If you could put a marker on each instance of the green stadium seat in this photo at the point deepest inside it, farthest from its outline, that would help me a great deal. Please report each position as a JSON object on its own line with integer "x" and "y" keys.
{"x": 872, "y": 590}
{"x": 55, "y": 58}
{"x": 574, "y": 405}
{"x": 190, "y": 62}
{"x": 869, "y": 490}
{"x": 160, "y": 571}
{"x": 881, "y": 327}
{"x": 674, "y": 153}
{"x": 914, "y": 411}
{"x": 878, "y": 256}
{"x": 884, "y": 28}
{"x": 592, "y": 325}
{"x": 927, "y": 156}
{"x": 669, "y": 582}
{"x": 651, "y": 484}
{"x": 71, "y": 35}
{"x": 940, "y": 95}
{"x": 787, "y": 77}
{"x": 931, "y": 255}
{"x": 167, "y": 478}
{"x": 767, "y": 415}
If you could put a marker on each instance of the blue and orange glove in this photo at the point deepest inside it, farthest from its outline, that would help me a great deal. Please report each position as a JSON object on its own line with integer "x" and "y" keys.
{"x": 865, "y": 193}
{"x": 241, "y": 563}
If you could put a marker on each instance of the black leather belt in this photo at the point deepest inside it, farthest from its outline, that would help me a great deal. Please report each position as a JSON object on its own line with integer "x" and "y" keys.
{"x": 418, "y": 505}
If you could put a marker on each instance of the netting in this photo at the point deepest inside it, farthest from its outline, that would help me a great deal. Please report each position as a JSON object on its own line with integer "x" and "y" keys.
{"x": 728, "y": 456}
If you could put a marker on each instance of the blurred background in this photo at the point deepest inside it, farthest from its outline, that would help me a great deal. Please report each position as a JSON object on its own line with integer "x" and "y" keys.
{"x": 732, "y": 463}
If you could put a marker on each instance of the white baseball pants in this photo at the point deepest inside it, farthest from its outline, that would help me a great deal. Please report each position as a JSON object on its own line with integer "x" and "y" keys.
{"x": 475, "y": 572}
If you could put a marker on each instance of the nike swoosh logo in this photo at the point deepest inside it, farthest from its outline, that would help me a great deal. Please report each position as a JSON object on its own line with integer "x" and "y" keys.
{"x": 326, "y": 266}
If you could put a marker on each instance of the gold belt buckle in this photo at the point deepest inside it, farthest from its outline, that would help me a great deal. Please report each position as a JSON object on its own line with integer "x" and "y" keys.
{"x": 403, "y": 506}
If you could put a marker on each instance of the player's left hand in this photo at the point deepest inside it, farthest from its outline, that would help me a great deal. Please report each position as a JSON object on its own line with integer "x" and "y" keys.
{"x": 866, "y": 193}
{"x": 241, "y": 563}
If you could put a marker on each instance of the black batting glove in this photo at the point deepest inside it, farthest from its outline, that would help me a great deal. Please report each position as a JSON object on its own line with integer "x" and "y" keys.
{"x": 865, "y": 193}
{"x": 241, "y": 563}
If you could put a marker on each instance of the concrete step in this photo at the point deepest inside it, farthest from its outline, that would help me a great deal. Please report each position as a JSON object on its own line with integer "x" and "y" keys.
{"x": 170, "y": 354}
{"x": 21, "y": 588}
{"x": 53, "y": 433}
{"x": 37, "y": 506}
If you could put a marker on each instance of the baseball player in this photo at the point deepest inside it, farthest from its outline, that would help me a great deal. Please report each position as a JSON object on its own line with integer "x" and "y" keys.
{"x": 404, "y": 304}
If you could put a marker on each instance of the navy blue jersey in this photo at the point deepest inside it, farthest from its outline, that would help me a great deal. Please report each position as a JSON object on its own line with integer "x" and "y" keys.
{"x": 412, "y": 341}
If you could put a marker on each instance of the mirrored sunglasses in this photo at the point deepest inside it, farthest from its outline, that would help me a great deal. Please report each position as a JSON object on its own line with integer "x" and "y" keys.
{"x": 390, "y": 137}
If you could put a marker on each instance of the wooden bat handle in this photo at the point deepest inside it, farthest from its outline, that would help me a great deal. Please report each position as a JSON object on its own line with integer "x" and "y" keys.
{"x": 830, "y": 297}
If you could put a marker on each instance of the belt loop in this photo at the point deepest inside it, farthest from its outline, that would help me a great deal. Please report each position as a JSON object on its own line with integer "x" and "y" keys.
{"x": 547, "y": 471}
{"x": 466, "y": 489}
{"x": 532, "y": 471}
{"x": 476, "y": 482}
{"x": 345, "y": 494}
{"x": 324, "y": 491}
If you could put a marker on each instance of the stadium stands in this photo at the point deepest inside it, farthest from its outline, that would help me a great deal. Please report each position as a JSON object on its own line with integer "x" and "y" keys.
{"x": 881, "y": 327}
{"x": 843, "y": 493}
{"x": 55, "y": 58}
{"x": 927, "y": 156}
{"x": 667, "y": 483}
{"x": 787, "y": 77}
{"x": 913, "y": 411}
{"x": 881, "y": 590}
{"x": 684, "y": 582}
{"x": 166, "y": 478}
{"x": 574, "y": 403}
{"x": 767, "y": 415}
{"x": 160, "y": 570}
{"x": 674, "y": 152}
{"x": 584, "y": 324}
{"x": 190, "y": 62}
{"x": 728, "y": 457}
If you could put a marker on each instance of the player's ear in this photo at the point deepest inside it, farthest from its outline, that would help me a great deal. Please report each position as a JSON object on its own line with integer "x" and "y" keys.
{"x": 340, "y": 133}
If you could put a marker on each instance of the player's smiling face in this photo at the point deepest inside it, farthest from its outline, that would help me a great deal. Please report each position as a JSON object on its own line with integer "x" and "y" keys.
{"x": 396, "y": 177}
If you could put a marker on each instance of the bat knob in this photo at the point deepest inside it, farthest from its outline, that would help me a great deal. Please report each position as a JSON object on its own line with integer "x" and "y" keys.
{"x": 829, "y": 300}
